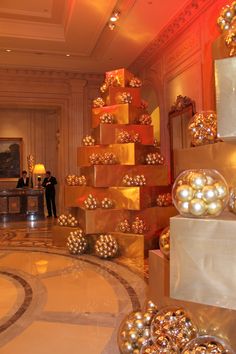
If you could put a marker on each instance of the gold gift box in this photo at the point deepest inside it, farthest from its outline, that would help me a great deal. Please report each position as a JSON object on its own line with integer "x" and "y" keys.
{"x": 112, "y": 175}
{"x": 220, "y": 156}
{"x": 112, "y": 95}
{"x": 203, "y": 256}
{"x": 60, "y": 234}
{"x": 123, "y": 76}
{"x": 108, "y": 133}
{"x": 123, "y": 113}
{"x": 211, "y": 319}
{"x": 131, "y": 198}
{"x": 99, "y": 220}
{"x": 128, "y": 154}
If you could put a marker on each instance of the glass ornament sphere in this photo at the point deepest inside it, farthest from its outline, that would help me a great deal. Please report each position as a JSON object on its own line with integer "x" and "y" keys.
{"x": 203, "y": 128}
{"x": 207, "y": 344}
{"x": 200, "y": 193}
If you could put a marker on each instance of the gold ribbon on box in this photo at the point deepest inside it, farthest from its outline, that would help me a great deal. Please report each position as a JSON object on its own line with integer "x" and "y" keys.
{"x": 113, "y": 95}
{"x": 123, "y": 76}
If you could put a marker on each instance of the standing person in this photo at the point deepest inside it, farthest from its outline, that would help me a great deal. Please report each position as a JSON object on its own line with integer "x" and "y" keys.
{"x": 23, "y": 181}
{"x": 49, "y": 183}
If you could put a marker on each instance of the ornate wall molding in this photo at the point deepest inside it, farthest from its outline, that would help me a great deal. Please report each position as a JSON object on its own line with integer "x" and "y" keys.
{"x": 179, "y": 23}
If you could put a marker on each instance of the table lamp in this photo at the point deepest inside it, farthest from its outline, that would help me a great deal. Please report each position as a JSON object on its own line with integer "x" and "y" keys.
{"x": 39, "y": 170}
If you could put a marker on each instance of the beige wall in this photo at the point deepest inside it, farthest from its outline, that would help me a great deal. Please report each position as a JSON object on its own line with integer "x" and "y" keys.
{"x": 51, "y": 111}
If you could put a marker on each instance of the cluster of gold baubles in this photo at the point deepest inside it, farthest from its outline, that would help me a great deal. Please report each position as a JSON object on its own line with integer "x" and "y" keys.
{"x": 124, "y": 226}
{"x": 115, "y": 81}
{"x": 164, "y": 242}
{"x": 107, "y": 118}
{"x": 207, "y": 344}
{"x": 98, "y": 102}
{"x": 135, "y": 82}
{"x": 144, "y": 119}
{"x": 200, "y": 193}
{"x": 108, "y": 158}
{"x": 164, "y": 200}
{"x": 76, "y": 242}
{"x": 92, "y": 203}
{"x": 88, "y": 140}
{"x": 67, "y": 220}
{"x": 74, "y": 180}
{"x": 203, "y": 128}
{"x": 138, "y": 180}
{"x": 138, "y": 226}
{"x": 125, "y": 97}
{"x": 134, "y": 330}
{"x": 106, "y": 246}
{"x": 227, "y": 24}
{"x": 125, "y": 137}
{"x": 154, "y": 158}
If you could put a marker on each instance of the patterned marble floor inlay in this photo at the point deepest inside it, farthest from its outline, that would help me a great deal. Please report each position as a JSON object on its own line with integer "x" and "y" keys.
{"x": 61, "y": 303}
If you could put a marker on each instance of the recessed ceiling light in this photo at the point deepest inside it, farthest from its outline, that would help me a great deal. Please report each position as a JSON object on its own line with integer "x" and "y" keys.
{"x": 8, "y": 50}
{"x": 67, "y": 55}
{"x": 115, "y": 16}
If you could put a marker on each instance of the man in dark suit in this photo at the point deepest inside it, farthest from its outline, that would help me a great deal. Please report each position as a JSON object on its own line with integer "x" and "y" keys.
{"x": 23, "y": 181}
{"x": 49, "y": 185}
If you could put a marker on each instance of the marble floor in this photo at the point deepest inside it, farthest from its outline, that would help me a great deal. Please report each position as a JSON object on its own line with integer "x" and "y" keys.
{"x": 53, "y": 302}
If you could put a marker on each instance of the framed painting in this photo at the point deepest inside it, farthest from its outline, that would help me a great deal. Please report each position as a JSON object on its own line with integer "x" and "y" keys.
{"x": 10, "y": 158}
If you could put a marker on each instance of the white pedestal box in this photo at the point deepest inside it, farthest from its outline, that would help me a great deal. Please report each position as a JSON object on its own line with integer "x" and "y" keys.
{"x": 225, "y": 77}
{"x": 203, "y": 260}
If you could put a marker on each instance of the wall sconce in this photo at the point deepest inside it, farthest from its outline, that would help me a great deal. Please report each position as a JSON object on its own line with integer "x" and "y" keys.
{"x": 39, "y": 170}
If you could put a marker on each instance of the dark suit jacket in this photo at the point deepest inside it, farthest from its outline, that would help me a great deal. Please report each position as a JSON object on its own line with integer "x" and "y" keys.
{"x": 49, "y": 184}
{"x": 21, "y": 184}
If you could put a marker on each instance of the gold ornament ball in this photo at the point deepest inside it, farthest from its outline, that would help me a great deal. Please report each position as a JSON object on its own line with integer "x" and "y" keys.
{"x": 183, "y": 207}
{"x": 215, "y": 208}
{"x": 197, "y": 180}
{"x": 209, "y": 194}
{"x": 184, "y": 193}
{"x": 222, "y": 190}
{"x": 197, "y": 207}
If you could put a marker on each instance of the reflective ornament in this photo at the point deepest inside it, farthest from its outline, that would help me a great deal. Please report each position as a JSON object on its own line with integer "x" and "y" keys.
{"x": 138, "y": 180}
{"x": 95, "y": 159}
{"x": 112, "y": 80}
{"x": 134, "y": 331}
{"x": 230, "y": 41}
{"x": 200, "y": 193}
{"x": 91, "y": 202}
{"x": 175, "y": 324}
{"x": 232, "y": 200}
{"x": 67, "y": 220}
{"x": 98, "y": 102}
{"x": 144, "y": 119}
{"x": 123, "y": 137}
{"x": 164, "y": 200}
{"x": 227, "y": 24}
{"x": 203, "y": 128}
{"x": 74, "y": 180}
{"x": 138, "y": 226}
{"x": 76, "y": 242}
{"x": 125, "y": 97}
{"x": 88, "y": 140}
{"x": 108, "y": 158}
{"x": 107, "y": 203}
{"x": 103, "y": 87}
{"x": 164, "y": 242}
{"x": 124, "y": 226}
{"x": 207, "y": 344}
{"x": 135, "y": 82}
{"x": 107, "y": 118}
{"x": 136, "y": 138}
{"x": 154, "y": 159}
{"x": 106, "y": 246}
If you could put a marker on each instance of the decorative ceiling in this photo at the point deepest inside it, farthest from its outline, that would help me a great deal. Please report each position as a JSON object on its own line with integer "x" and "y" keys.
{"x": 74, "y": 34}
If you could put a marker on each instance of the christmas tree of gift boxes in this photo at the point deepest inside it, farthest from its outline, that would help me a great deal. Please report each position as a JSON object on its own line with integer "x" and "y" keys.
{"x": 116, "y": 169}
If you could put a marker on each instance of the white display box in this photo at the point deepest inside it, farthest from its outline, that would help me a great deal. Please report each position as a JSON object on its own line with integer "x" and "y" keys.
{"x": 225, "y": 77}
{"x": 203, "y": 260}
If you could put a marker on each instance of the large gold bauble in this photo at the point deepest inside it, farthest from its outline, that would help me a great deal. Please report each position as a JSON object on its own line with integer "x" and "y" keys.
{"x": 209, "y": 194}
{"x": 164, "y": 242}
{"x": 184, "y": 193}
{"x": 222, "y": 189}
{"x": 183, "y": 207}
{"x": 215, "y": 208}
{"x": 207, "y": 344}
{"x": 197, "y": 207}
{"x": 197, "y": 180}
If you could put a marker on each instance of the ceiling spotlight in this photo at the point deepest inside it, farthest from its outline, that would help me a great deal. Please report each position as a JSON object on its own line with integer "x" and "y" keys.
{"x": 8, "y": 50}
{"x": 115, "y": 16}
{"x": 111, "y": 26}
{"x": 68, "y": 55}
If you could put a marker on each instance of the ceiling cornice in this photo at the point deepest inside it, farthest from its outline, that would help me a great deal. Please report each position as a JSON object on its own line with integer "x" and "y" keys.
{"x": 191, "y": 11}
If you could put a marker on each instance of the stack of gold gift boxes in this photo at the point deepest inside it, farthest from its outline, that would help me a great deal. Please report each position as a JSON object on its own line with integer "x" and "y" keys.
{"x": 106, "y": 180}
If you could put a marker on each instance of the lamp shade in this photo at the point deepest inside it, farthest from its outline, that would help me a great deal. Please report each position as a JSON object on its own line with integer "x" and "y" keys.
{"x": 39, "y": 169}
